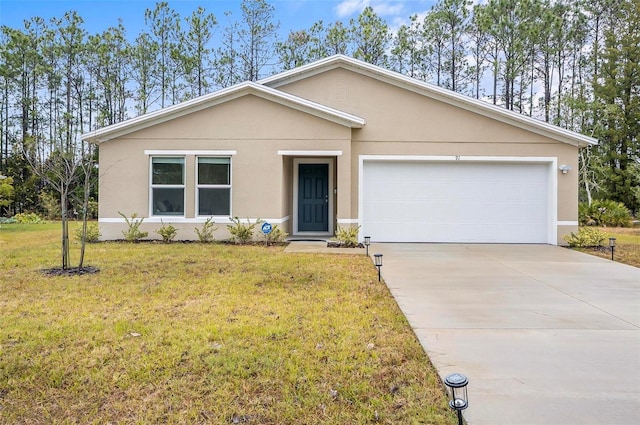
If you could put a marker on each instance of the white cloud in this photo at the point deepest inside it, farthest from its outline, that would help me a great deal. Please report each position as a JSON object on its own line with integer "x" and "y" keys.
{"x": 382, "y": 7}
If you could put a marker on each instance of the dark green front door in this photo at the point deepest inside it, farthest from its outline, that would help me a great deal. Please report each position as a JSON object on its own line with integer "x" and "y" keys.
{"x": 313, "y": 198}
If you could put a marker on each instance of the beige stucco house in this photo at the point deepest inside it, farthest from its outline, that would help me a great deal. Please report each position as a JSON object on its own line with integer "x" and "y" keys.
{"x": 340, "y": 142}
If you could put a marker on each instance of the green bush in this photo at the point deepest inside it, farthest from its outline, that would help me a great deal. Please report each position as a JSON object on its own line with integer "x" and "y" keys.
{"x": 604, "y": 213}
{"x": 347, "y": 236}
{"x": 7, "y": 220}
{"x": 27, "y": 218}
{"x": 93, "y": 233}
{"x": 51, "y": 205}
{"x": 585, "y": 238}
{"x": 242, "y": 233}
{"x": 133, "y": 232}
{"x": 208, "y": 228}
{"x": 277, "y": 235}
{"x": 167, "y": 231}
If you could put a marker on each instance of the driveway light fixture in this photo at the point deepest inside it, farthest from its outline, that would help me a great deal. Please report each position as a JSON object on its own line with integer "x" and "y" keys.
{"x": 367, "y": 242}
{"x": 612, "y": 245}
{"x": 378, "y": 262}
{"x": 458, "y": 401}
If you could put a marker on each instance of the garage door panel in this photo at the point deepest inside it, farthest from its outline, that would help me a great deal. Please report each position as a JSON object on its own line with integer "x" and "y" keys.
{"x": 455, "y": 202}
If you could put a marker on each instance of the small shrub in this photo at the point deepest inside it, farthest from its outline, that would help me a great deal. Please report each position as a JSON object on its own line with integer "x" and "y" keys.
{"x": 604, "y": 213}
{"x": 7, "y": 220}
{"x": 167, "y": 231}
{"x": 51, "y": 205}
{"x": 242, "y": 233}
{"x": 585, "y": 238}
{"x": 133, "y": 232}
{"x": 347, "y": 236}
{"x": 206, "y": 234}
{"x": 277, "y": 235}
{"x": 93, "y": 233}
{"x": 27, "y": 218}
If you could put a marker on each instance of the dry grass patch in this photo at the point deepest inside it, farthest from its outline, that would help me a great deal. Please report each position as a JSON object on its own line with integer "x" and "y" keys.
{"x": 627, "y": 245}
{"x": 193, "y": 333}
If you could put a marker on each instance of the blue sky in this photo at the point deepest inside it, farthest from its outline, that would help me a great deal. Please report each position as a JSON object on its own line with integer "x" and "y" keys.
{"x": 98, "y": 15}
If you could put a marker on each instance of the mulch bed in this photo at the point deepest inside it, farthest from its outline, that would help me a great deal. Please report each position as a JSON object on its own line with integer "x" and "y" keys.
{"x": 74, "y": 271}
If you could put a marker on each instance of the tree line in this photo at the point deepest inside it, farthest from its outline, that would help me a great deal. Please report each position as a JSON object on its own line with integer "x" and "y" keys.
{"x": 573, "y": 63}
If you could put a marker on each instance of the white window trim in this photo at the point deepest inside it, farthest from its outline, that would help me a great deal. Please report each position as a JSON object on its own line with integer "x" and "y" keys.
{"x": 170, "y": 152}
{"x": 296, "y": 163}
{"x": 214, "y": 186}
{"x": 552, "y": 162}
{"x": 168, "y": 186}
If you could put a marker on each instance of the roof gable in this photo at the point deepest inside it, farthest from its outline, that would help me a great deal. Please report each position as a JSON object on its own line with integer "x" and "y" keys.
{"x": 431, "y": 91}
{"x": 221, "y": 96}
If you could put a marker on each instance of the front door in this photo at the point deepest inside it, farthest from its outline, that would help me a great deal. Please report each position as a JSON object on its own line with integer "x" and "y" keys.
{"x": 313, "y": 198}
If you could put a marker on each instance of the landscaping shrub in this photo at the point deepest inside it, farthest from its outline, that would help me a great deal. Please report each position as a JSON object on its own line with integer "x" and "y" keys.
{"x": 167, "y": 231}
{"x": 347, "y": 236}
{"x": 51, "y": 205}
{"x": 585, "y": 238}
{"x": 242, "y": 233}
{"x": 133, "y": 232}
{"x": 277, "y": 235}
{"x": 604, "y": 213}
{"x": 93, "y": 233}
{"x": 7, "y": 220}
{"x": 27, "y": 218}
{"x": 206, "y": 234}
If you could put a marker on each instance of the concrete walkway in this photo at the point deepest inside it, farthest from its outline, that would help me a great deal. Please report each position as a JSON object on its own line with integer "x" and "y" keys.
{"x": 546, "y": 335}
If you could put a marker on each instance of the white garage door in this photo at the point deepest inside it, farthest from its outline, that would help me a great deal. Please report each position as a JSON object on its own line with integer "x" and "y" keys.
{"x": 467, "y": 202}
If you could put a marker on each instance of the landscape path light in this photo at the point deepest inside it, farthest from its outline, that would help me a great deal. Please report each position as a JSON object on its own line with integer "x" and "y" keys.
{"x": 367, "y": 242}
{"x": 459, "y": 400}
{"x": 612, "y": 245}
{"x": 378, "y": 262}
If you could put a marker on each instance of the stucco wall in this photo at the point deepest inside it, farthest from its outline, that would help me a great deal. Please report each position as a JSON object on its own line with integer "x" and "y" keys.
{"x": 255, "y": 128}
{"x": 402, "y": 122}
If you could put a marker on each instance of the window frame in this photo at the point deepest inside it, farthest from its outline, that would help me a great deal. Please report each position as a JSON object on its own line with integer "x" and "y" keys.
{"x": 182, "y": 186}
{"x": 199, "y": 186}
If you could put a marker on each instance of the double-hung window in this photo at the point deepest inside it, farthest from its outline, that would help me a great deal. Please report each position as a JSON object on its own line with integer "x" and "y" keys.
{"x": 167, "y": 186}
{"x": 214, "y": 186}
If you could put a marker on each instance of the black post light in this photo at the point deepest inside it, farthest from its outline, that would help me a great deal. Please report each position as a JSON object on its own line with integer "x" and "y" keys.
{"x": 378, "y": 262}
{"x": 367, "y": 242}
{"x": 459, "y": 400}
{"x": 612, "y": 245}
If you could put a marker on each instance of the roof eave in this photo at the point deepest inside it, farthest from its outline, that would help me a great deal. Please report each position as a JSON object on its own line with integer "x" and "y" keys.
{"x": 435, "y": 92}
{"x": 143, "y": 121}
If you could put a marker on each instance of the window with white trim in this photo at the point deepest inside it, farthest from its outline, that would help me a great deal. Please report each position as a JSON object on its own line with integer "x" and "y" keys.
{"x": 167, "y": 186}
{"x": 213, "y": 180}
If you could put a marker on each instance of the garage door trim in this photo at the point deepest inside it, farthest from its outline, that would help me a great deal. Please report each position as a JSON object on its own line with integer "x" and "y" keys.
{"x": 552, "y": 163}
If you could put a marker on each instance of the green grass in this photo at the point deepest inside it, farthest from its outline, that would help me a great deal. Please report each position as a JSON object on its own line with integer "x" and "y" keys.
{"x": 195, "y": 333}
{"x": 627, "y": 245}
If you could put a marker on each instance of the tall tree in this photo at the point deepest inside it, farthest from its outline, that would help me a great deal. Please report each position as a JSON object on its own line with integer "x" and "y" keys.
{"x": 453, "y": 17}
{"x": 618, "y": 95}
{"x": 196, "y": 58}
{"x": 164, "y": 23}
{"x": 257, "y": 37}
{"x": 407, "y": 52}
{"x": 370, "y": 36}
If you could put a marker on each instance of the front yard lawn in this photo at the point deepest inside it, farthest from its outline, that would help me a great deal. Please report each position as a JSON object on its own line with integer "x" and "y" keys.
{"x": 627, "y": 245}
{"x": 193, "y": 333}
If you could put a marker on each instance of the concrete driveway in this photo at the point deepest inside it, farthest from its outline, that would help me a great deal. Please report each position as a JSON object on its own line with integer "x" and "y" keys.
{"x": 545, "y": 335}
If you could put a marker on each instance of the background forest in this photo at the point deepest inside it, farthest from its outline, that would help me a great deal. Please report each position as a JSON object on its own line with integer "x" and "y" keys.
{"x": 573, "y": 63}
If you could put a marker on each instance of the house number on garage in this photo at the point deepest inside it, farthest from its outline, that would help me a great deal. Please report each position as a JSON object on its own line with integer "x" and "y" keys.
{"x": 457, "y": 157}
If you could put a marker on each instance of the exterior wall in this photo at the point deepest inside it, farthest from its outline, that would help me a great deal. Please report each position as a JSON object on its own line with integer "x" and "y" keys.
{"x": 253, "y": 127}
{"x": 401, "y": 122}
